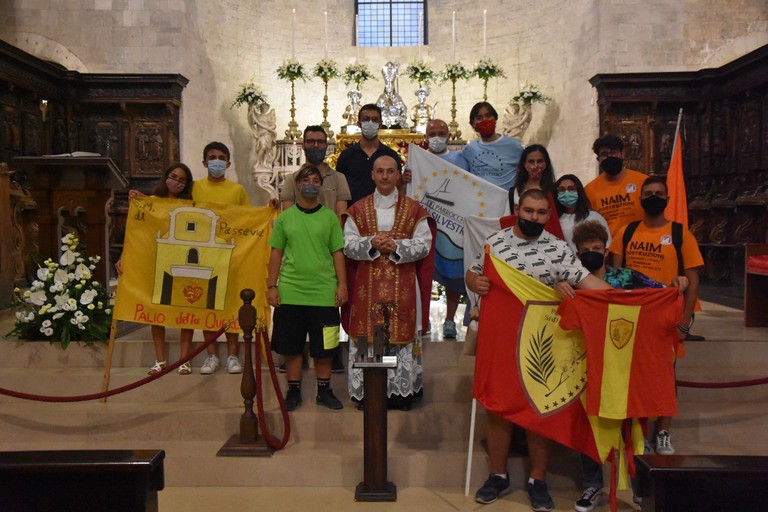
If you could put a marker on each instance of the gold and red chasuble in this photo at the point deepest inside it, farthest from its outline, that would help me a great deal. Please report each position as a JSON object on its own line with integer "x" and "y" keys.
{"x": 382, "y": 280}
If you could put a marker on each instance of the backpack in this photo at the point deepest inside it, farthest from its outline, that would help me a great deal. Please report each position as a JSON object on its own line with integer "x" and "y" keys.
{"x": 677, "y": 241}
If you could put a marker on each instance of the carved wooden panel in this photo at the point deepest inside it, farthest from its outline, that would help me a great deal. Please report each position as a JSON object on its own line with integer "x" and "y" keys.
{"x": 725, "y": 155}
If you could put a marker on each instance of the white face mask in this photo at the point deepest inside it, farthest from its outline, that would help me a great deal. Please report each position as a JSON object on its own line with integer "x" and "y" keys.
{"x": 437, "y": 144}
{"x": 370, "y": 129}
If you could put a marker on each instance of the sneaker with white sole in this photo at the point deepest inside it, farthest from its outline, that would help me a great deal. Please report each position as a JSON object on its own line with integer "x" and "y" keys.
{"x": 233, "y": 364}
{"x": 494, "y": 488}
{"x": 538, "y": 493}
{"x": 590, "y": 498}
{"x": 210, "y": 365}
{"x": 664, "y": 443}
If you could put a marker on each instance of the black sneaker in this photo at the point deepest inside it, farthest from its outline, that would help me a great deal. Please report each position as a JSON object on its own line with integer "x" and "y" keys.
{"x": 541, "y": 501}
{"x": 326, "y": 398}
{"x": 590, "y": 498}
{"x": 493, "y": 488}
{"x": 293, "y": 398}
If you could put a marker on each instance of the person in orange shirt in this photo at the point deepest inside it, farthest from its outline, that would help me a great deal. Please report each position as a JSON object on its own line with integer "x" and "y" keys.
{"x": 615, "y": 193}
{"x": 651, "y": 250}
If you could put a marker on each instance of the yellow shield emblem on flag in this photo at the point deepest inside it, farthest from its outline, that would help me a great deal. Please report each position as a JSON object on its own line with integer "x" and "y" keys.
{"x": 553, "y": 362}
{"x": 621, "y": 331}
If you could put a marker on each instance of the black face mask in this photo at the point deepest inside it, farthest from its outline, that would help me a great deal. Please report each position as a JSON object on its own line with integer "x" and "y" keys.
{"x": 612, "y": 165}
{"x": 592, "y": 260}
{"x": 653, "y": 205}
{"x": 530, "y": 228}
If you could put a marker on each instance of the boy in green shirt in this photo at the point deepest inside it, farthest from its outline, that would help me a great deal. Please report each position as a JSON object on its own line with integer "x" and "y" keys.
{"x": 306, "y": 285}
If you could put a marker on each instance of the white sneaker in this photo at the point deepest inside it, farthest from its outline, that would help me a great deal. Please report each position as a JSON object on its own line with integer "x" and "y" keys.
{"x": 210, "y": 365}
{"x": 663, "y": 443}
{"x": 590, "y": 498}
{"x": 233, "y": 365}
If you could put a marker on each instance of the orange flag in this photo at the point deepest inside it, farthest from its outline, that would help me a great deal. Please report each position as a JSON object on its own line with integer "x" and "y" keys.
{"x": 677, "y": 209}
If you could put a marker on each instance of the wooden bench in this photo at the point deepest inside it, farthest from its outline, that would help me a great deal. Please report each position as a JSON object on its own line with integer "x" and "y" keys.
{"x": 81, "y": 480}
{"x": 677, "y": 483}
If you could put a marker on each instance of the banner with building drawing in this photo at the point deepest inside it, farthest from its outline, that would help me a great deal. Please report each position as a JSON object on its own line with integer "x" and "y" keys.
{"x": 184, "y": 263}
{"x": 451, "y": 194}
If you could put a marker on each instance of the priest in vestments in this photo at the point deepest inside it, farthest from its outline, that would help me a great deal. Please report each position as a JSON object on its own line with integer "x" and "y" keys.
{"x": 388, "y": 241}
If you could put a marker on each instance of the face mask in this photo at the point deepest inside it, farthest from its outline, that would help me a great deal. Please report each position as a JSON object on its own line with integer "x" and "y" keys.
{"x": 437, "y": 144}
{"x": 486, "y": 127}
{"x": 314, "y": 155}
{"x": 217, "y": 168}
{"x": 174, "y": 187}
{"x": 653, "y": 205}
{"x": 310, "y": 191}
{"x": 592, "y": 260}
{"x": 568, "y": 199}
{"x": 530, "y": 228}
{"x": 612, "y": 165}
{"x": 370, "y": 129}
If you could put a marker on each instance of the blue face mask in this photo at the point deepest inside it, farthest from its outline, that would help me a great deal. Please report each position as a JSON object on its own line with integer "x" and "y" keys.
{"x": 217, "y": 168}
{"x": 568, "y": 199}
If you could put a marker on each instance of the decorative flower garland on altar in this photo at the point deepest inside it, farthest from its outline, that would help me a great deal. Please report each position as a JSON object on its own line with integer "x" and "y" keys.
{"x": 64, "y": 303}
{"x": 487, "y": 69}
{"x": 454, "y": 72}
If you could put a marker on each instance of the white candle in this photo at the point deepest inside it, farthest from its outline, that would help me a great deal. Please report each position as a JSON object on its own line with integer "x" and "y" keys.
{"x": 485, "y": 32}
{"x": 293, "y": 36}
{"x": 357, "y": 36}
{"x": 325, "y": 13}
{"x": 453, "y": 36}
{"x": 421, "y": 33}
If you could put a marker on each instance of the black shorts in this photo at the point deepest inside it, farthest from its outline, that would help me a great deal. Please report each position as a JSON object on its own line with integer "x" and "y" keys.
{"x": 292, "y": 324}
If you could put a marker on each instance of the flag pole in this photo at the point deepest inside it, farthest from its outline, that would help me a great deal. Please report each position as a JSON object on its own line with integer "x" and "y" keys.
{"x": 677, "y": 129}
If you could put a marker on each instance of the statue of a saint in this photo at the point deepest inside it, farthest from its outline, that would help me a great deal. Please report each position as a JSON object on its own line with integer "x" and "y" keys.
{"x": 394, "y": 113}
{"x": 421, "y": 113}
{"x": 515, "y": 122}
{"x": 351, "y": 111}
{"x": 263, "y": 124}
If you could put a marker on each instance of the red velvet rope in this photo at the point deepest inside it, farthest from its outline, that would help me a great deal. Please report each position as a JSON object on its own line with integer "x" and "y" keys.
{"x": 116, "y": 391}
{"x": 718, "y": 385}
{"x": 274, "y": 444}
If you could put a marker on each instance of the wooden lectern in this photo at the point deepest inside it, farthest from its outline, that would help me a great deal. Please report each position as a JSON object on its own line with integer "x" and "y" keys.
{"x": 75, "y": 184}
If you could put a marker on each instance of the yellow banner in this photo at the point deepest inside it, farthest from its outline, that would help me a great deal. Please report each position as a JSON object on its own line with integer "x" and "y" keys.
{"x": 185, "y": 263}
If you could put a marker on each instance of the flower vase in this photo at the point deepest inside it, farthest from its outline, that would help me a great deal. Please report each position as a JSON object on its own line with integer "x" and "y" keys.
{"x": 325, "y": 124}
{"x": 453, "y": 126}
{"x": 293, "y": 132}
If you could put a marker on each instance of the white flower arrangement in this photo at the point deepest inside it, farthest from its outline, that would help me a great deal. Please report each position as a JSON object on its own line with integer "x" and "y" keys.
{"x": 292, "y": 70}
{"x": 325, "y": 70}
{"x": 357, "y": 73}
{"x": 487, "y": 69}
{"x": 529, "y": 93}
{"x": 420, "y": 72}
{"x": 249, "y": 94}
{"x": 454, "y": 72}
{"x": 64, "y": 303}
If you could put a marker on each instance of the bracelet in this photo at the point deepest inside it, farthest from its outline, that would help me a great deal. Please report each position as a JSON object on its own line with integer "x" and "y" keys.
{"x": 683, "y": 329}
{"x": 271, "y": 286}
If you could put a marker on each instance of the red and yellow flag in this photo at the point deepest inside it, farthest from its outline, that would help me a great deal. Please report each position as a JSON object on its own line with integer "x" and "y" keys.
{"x": 528, "y": 370}
{"x": 630, "y": 338}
